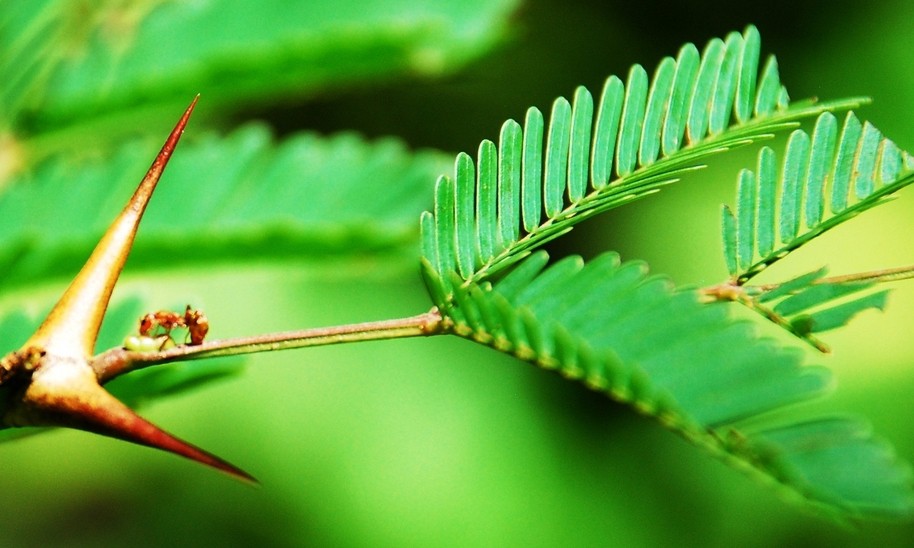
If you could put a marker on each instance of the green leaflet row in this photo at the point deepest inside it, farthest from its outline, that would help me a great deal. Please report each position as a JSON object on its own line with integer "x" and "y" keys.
{"x": 66, "y": 62}
{"x": 690, "y": 365}
{"x": 541, "y": 180}
{"x": 223, "y": 198}
{"x": 824, "y": 180}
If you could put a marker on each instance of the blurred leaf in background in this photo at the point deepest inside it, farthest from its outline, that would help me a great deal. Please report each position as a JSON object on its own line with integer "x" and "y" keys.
{"x": 420, "y": 442}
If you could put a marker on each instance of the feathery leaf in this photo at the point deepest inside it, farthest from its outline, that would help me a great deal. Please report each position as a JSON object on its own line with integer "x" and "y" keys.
{"x": 699, "y": 372}
{"x": 234, "y": 198}
{"x": 646, "y": 135}
{"x": 861, "y": 162}
{"x": 288, "y": 49}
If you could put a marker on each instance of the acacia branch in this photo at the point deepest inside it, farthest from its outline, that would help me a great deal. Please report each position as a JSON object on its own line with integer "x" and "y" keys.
{"x": 117, "y": 361}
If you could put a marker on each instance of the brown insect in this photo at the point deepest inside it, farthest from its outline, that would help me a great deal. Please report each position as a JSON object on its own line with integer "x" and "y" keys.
{"x": 165, "y": 321}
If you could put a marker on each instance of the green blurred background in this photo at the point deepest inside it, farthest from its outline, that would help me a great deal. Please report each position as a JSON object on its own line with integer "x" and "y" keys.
{"x": 441, "y": 442}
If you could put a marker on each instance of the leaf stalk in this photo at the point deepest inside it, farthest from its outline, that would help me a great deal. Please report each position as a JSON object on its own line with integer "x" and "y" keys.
{"x": 117, "y": 361}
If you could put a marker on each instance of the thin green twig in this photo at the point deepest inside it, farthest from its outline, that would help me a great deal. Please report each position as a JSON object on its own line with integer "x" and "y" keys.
{"x": 118, "y": 361}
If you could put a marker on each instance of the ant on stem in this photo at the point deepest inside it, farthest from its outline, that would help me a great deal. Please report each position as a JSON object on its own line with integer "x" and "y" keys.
{"x": 164, "y": 321}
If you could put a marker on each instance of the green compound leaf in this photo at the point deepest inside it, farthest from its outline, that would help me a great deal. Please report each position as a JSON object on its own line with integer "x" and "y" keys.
{"x": 851, "y": 173}
{"x": 64, "y": 61}
{"x": 698, "y": 371}
{"x": 645, "y": 135}
{"x": 234, "y": 198}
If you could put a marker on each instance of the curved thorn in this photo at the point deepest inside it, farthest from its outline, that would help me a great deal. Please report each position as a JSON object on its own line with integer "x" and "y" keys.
{"x": 65, "y": 392}
{"x": 62, "y": 388}
{"x": 71, "y": 327}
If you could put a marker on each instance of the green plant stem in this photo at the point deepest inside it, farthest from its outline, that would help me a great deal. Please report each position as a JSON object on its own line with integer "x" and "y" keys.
{"x": 876, "y": 276}
{"x": 735, "y": 291}
{"x": 747, "y": 295}
{"x": 118, "y": 361}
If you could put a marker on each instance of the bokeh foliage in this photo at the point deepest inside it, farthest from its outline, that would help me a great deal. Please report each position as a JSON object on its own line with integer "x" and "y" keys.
{"x": 387, "y": 443}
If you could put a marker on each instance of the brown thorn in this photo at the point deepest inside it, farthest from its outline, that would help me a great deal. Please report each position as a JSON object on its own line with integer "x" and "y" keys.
{"x": 65, "y": 392}
{"x": 58, "y": 386}
{"x": 72, "y": 326}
